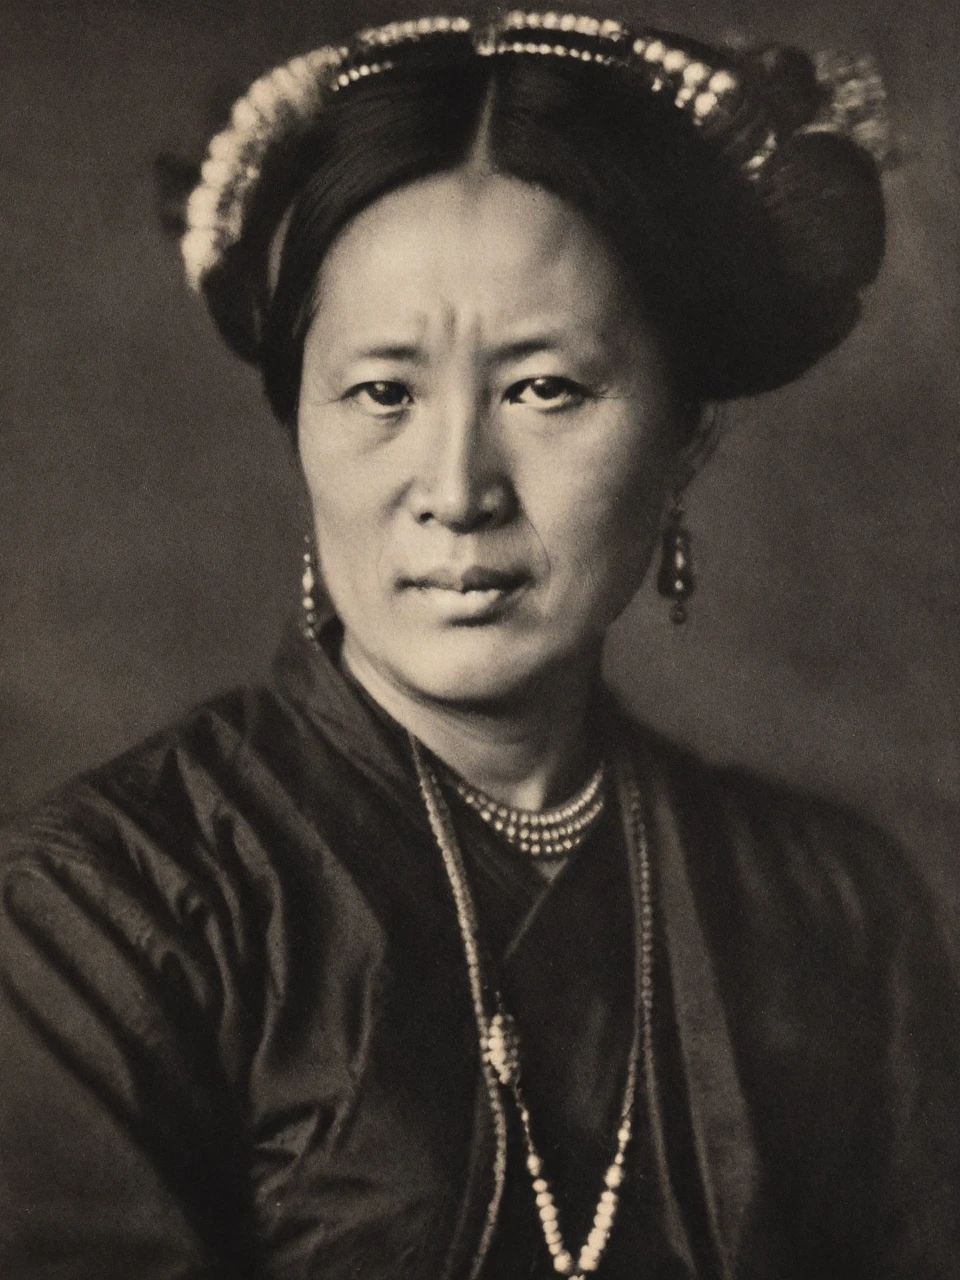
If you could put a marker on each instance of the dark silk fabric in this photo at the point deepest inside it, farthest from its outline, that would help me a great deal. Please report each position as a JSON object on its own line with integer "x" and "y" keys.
{"x": 561, "y": 953}
{"x": 237, "y": 1038}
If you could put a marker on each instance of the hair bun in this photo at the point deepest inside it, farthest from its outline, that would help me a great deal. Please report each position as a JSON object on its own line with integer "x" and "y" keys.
{"x": 828, "y": 201}
{"x": 791, "y": 91}
{"x": 818, "y": 194}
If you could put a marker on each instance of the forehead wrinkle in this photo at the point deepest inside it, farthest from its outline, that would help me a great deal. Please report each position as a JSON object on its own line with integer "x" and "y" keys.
{"x": 447, "y": 327}
{"x": 438, "y": 263}
{"x": 445, "y": 332}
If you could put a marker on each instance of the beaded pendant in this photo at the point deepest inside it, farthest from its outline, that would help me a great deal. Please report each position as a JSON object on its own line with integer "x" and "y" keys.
{"x": 500, "y": 1041}
{"x": 502, "y": 1053}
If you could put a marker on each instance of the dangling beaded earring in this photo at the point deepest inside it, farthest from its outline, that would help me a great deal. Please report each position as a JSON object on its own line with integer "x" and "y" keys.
{"x": 309, "y": 583}
{"x": 675, "y": 579}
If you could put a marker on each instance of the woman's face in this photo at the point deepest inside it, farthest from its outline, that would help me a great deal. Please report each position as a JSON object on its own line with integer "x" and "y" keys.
{"x": 487, "y": 434}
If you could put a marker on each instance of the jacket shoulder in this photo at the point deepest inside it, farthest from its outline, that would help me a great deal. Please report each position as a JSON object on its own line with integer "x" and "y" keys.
{"x": 165, "y": 790}
{"x": 807, "y": 856}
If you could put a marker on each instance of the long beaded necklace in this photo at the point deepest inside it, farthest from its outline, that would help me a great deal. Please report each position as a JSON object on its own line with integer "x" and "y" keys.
{"x": 499, "y": 1041}
{"x": 547, "y": 833}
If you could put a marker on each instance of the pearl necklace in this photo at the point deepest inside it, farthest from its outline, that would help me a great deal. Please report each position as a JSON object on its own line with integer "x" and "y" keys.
{"x": 500, "y": 1044}
{"x": 547, "y": 833}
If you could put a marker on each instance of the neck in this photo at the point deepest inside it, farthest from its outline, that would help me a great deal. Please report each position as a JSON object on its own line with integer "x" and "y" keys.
{"x": 531, "y": 752}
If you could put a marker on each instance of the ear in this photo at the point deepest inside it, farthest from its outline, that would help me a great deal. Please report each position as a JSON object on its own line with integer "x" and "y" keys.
{"x": 302, "y": 502}
{"x": 275, "y": 249}
{"x": 701, "y": 426}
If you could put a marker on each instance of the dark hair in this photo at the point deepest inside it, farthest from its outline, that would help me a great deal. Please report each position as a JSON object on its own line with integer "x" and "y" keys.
{"x": 748, "y": 280}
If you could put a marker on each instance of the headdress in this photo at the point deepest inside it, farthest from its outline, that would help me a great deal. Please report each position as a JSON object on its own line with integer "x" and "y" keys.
{"x": 700, "y": 82}
{"x": 720, "y": 94}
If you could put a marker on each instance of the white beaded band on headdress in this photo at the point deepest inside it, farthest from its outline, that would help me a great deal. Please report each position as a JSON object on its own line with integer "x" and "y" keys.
{"x": 273, "y": 105}
{"x": 285, "y": 100}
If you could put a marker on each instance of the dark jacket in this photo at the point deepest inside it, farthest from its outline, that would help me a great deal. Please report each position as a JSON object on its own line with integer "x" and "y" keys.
{"x": 237, "y": 1036}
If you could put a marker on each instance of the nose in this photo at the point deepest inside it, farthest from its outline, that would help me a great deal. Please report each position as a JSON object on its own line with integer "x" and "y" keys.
{"x": 463, "y": 482}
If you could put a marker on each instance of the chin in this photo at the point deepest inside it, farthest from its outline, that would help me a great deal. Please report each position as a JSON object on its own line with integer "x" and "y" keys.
{"x": 477, "y": 665}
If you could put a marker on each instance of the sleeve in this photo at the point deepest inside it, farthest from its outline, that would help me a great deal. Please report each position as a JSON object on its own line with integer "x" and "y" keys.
{"x": 884, "y": 1000}
{"x": 119, "y": 1148}
{"x": 842, "y": 993}
{"x": 918, "y": 1219}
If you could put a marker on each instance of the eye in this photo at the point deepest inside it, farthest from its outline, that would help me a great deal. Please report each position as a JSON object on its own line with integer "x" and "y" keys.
{"x": 380, "y": 399}
{"x": 549, "y": 395}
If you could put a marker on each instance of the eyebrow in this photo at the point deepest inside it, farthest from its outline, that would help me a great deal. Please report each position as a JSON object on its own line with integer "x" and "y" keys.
{"x": 524, "y": 347}
{"x": 391, "y": 351}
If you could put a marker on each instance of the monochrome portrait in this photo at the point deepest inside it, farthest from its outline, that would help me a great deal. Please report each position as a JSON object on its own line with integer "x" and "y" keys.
{"x": 478, "y": 663}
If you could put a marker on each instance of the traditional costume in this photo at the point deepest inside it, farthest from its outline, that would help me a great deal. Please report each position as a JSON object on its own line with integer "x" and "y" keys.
{"x": 238, "y": 1037}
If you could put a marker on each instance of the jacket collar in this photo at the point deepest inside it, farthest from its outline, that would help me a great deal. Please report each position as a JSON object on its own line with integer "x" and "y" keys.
{"x": 308, "y": 674}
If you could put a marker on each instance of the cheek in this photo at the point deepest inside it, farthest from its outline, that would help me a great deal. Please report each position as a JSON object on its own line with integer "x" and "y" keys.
{"x": 600, "y": 517}
{"x": 344, "y": 499}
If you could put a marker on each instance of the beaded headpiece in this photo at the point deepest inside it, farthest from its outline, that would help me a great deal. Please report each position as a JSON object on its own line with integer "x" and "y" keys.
{"x": 702, "y": 83}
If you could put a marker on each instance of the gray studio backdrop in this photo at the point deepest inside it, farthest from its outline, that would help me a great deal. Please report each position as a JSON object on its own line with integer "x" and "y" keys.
{"x": 149, "y": 528}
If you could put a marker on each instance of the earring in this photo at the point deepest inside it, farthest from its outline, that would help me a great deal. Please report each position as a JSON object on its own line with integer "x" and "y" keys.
{"x": 309, "y": 583}
{"x": 675, "y": 579}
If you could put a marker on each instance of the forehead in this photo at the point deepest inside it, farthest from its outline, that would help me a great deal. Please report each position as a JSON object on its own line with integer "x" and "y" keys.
{"x": 482, "y": 249}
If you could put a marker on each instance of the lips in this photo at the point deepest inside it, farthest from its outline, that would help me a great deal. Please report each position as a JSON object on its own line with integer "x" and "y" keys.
{"x": 475, "y": 578}
{"x": 472, "y": 597}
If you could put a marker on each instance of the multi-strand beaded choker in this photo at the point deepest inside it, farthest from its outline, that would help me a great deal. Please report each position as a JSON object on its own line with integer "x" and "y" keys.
{"x": 543, "y": 833}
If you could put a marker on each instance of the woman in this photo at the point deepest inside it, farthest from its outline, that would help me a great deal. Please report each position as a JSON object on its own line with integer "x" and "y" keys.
{"x": 423, "y": 960}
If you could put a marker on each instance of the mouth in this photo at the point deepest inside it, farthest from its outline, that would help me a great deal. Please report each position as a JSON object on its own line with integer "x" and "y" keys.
{"x": 468, "y": 596}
